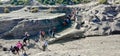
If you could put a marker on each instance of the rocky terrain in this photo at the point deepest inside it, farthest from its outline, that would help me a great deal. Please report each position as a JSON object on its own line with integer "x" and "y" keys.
{"x": 102, "y": 20}
{"x": 95, "y": 19}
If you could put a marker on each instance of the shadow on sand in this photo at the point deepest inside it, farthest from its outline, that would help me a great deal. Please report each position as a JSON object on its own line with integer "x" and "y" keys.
{"x": 67, "y": 39}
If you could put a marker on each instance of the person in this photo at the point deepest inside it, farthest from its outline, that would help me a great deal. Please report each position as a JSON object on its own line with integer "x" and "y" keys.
{"x": 68, "y": 21}
{"x": 16, "y": 49}
{"x": 12, "y": 49}
{"x": 44, "y": 46}
{"x": 42, "y": 34}
{"x": 50, "y": 32}
{"x": 20, "y": 46}
{"x": 27, "y": 35}
{"x": 53, "y": 31}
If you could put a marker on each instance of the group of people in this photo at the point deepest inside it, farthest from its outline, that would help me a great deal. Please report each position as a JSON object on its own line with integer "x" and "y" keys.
{"x": 20, "y": 45}
{"x": 42, "y": 37}
{"x": 26, "y": 41}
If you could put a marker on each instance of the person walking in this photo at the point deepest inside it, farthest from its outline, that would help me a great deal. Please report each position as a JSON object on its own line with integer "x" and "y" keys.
{"x": 45, "y": 45}
{"x": 20, "y": 46}
{"x": 53, "y": 31}
{"x": 50, "y": 33}
{"x": 42, "y": 35}
{"x": 26, "y": 38}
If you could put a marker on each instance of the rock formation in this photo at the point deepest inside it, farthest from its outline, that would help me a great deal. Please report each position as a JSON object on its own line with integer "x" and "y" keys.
{"x": 102, "y": 20}
{"x": 14, "y": 24}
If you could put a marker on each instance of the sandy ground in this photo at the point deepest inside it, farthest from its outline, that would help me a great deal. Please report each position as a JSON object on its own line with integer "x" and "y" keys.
{"x": 89, "y": 46}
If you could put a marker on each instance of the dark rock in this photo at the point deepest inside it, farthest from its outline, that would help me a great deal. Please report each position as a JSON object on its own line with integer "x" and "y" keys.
{"x": 16, "y": 28}
{"x": 5, "y": 49}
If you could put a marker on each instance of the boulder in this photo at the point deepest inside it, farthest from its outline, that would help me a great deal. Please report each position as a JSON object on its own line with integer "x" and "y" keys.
{"x": 115, "y": 27}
